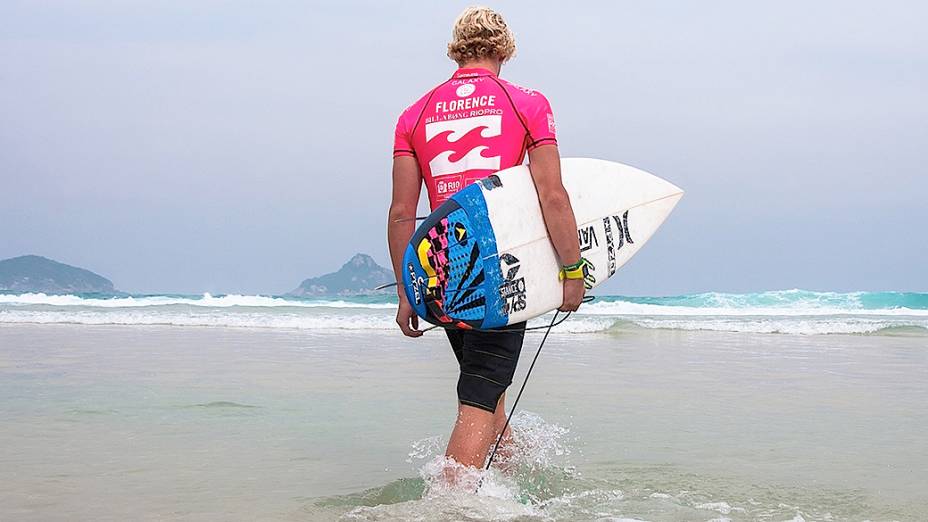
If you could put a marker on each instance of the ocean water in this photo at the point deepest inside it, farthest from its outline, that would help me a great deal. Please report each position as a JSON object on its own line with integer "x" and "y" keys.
{"x": 786, "y": 312}
{"x": 785, "y": 406}
{"x": 116, "y": 422}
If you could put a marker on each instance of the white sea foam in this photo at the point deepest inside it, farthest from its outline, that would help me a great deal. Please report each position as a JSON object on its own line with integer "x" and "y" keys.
{"x": 784, "y": 312}
{"x": 722, "y": 507}
{"x": 808, "y": 325}
{"x": 799, "y": 325}
{"x": 382, "y": 319}
{"x": 206, "y": 300}
{"x": 717, "y": 304}
{"x": 230, "y": 320}
{"x": 798, "y": 309}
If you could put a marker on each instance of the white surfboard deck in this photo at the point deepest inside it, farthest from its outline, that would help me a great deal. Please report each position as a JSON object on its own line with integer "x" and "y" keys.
{"x": 618, "y": 208}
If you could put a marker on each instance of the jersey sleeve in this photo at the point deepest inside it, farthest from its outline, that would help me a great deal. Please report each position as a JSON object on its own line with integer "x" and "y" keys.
{"x": 402, "y": 141}
{"x": 539, "y": 118}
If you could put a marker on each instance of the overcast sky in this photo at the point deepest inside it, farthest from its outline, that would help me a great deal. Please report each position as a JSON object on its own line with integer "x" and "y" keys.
{"x": 240, "y": 146}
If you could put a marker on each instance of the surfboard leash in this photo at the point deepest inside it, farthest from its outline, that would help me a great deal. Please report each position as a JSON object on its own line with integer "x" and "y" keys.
{"x": 528, "y": 374}
{"x": 554, "y": 322}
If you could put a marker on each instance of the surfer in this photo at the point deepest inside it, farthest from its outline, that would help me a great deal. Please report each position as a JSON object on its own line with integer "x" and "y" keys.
{"x": 465, "y": 129}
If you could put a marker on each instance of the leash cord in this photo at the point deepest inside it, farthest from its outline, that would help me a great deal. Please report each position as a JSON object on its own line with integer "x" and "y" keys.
{"x": 515, "y": 404}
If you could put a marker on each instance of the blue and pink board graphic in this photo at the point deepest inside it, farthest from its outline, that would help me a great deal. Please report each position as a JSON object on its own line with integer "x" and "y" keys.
{"x": 453, "y": 275}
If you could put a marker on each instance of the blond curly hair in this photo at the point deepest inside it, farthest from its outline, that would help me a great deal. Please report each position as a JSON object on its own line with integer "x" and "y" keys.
{"x": 480, "y": 32}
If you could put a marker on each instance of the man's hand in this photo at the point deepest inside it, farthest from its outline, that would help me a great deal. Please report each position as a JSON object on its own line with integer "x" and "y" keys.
{"x": 574, "y": 290}
{"x": 407, "y": 319}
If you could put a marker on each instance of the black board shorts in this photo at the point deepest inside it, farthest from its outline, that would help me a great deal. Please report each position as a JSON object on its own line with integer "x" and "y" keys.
{"x": 488, "y": 361}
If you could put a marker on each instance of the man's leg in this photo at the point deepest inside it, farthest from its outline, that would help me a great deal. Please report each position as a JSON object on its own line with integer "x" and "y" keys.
{"x": 476, "y": 432}
{"x": 506, "y": 447}
{"x": 473, "y": 426}
{"x": 488, "y": 361}
{"x": 500, "y": 418}
{"x": 473, "y": 434}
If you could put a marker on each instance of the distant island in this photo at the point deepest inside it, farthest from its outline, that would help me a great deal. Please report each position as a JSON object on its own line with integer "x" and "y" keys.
{"x": 37, "y": 274}
{"x": 360, "y": 275}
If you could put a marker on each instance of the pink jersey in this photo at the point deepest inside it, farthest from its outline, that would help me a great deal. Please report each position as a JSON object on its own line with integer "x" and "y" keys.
{"x": 469, "y": 127}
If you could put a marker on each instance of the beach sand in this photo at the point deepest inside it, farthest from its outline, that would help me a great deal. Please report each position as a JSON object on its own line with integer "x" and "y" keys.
{"x": 188, "y": 423}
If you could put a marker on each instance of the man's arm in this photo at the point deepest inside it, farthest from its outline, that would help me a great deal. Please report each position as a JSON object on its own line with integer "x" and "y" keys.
{"x": 401, "y": 223}
{"x": 545, "y": 166}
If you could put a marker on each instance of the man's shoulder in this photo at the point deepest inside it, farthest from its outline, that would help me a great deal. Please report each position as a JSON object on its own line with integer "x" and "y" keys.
{"x": 523, "y": 93}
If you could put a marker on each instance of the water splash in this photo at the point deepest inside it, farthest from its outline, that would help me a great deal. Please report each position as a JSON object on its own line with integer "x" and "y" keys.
{"x": 538, "y": 483}
{"x": 426, "y": 448}
{"x": 514, "y": 489}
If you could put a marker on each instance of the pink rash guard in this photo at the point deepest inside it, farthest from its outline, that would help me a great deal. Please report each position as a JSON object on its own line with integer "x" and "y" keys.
{"x": 469, "y": 127}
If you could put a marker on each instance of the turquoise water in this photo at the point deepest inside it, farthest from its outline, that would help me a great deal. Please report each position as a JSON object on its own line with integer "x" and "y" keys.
{"x": 798, "y": 312}
{"x": 788, "y": 299}
{"x": 774, "y": 299}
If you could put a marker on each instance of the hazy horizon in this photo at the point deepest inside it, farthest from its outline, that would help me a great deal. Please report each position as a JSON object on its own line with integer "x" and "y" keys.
{"x": 232, "y": 147}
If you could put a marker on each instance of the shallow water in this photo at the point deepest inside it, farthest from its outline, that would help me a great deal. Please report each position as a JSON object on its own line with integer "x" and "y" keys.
{"x": 147, "y": 422}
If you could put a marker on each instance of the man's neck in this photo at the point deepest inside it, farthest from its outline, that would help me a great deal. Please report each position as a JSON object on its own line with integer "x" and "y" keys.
{"x": 491, "y": 65}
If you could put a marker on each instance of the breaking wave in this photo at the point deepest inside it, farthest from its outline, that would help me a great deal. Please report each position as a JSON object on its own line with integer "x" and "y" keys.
{"x": 205, "y": 300}
{"x": 783, "y": 312}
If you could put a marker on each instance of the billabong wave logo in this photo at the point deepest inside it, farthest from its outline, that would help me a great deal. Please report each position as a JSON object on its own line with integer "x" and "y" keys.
{"x": 490, "y": 126}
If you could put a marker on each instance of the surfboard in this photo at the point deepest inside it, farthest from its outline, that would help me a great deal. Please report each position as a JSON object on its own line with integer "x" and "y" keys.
{"x": 483, "y": 259}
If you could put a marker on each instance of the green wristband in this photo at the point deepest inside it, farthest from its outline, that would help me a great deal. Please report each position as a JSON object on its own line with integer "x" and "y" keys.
{"x": 575, "y": 266}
